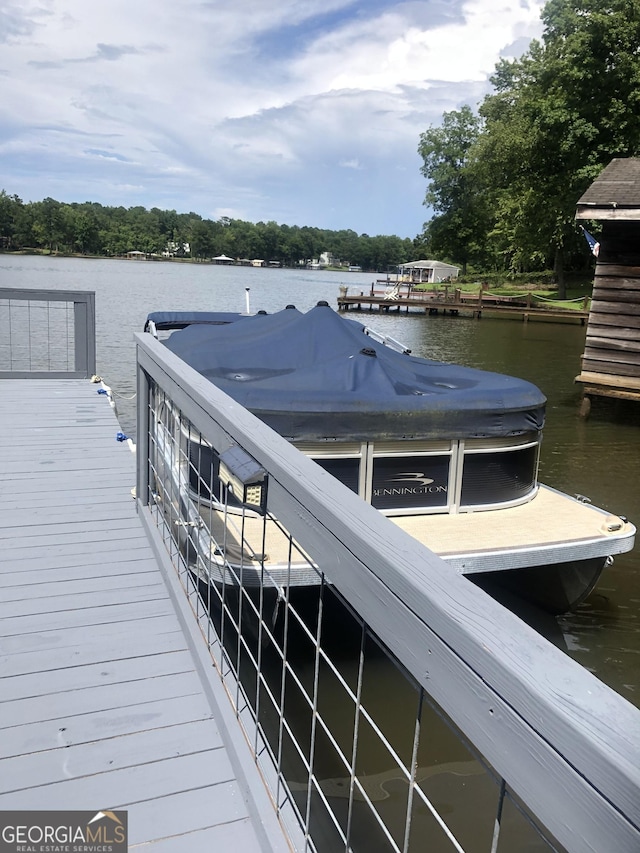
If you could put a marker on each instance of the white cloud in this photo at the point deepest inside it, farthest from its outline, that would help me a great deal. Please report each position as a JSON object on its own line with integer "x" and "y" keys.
{"x": 243, "y": 106}
{"x": 350, "y": 164}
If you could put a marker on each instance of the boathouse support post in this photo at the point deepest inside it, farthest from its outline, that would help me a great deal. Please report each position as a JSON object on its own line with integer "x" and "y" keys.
{"x": 585, "y": 407}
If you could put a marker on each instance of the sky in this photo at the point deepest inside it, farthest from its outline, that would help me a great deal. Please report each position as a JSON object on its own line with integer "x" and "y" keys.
{"x": 302, "y": 112}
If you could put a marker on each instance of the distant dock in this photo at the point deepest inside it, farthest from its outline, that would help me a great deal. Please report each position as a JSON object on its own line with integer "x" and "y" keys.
{"x": 396, "y": 296}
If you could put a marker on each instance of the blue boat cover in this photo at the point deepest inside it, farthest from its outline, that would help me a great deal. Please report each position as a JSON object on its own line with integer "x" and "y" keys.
{"x": 180, "y": 319}
{"x": 317, "y": 376}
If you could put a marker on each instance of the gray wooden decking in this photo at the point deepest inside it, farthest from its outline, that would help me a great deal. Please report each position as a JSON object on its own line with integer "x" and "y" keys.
{"x": 107, "y": 700}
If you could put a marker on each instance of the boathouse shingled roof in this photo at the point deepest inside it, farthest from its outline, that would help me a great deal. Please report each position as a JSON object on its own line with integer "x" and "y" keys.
{"x": 615, "y": 193}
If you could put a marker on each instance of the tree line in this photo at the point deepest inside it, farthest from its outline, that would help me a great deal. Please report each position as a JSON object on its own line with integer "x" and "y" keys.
{"x": 503, "y": 182}
{"x": 93, "y": 229}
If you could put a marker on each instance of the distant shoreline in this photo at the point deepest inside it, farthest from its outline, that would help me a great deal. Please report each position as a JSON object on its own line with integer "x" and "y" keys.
{"x": 152, "y": 258}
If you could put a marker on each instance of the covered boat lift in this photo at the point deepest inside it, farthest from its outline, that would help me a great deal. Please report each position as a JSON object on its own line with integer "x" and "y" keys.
{"x": 429, "y": 272}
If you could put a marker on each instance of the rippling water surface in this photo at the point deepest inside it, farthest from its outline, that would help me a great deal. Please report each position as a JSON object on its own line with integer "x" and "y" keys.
{"x": 599, "y": 457}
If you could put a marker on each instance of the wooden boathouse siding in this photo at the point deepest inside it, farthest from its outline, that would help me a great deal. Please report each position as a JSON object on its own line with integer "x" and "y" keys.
{"x": 611, "y": 359}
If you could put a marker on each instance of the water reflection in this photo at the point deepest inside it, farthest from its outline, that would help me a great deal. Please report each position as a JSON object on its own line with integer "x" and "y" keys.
{"x": 366, "y": 753}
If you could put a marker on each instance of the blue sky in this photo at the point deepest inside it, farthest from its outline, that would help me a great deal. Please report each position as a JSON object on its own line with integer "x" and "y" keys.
{"x": 306, "y": 112}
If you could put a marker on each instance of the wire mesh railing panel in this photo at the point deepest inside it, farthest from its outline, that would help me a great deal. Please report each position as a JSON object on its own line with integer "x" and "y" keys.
{"x": 352, "y": 745}
{"x": 36, "y": 335}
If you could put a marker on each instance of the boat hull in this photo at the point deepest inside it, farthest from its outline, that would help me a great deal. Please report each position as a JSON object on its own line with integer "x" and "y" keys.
{"x": 556, "y": 588}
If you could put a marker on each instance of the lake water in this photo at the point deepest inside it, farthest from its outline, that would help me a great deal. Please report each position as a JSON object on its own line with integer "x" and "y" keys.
{"x": 599, "y": 457}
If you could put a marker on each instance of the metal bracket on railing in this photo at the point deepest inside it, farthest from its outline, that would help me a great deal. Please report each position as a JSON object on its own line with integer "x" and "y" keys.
{"x": 179, "y": 522}
{"x": 281, "y": 597}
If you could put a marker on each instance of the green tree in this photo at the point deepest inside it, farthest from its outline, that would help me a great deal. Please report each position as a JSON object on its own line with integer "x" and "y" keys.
{"x": 458, "y": 229}
{"x": 10, "y": 209}
{"x": 559, "y": 115}
{"x": 311, "y": 243}
{"x": 386, "y": 253}
{"x": 86, "y": 232}
{"x": 25, "y": 220}
{"x": 48, "y": 225}
{"x": 114, "y": 231}
{"x": 203, "y": 240}
{"x": 293, "y": 246}
{"x": 184, "y": 233}
{"x": 345, "y": 246}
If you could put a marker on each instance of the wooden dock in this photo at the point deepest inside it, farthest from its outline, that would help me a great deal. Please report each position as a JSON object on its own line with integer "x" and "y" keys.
{"x": 456, "y": 303}
{"x": 108, "y": 697}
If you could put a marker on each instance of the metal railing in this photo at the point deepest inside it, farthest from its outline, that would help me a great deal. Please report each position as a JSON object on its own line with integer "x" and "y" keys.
{"x": 47, "y": 334}
{"x": 394, "y": 705}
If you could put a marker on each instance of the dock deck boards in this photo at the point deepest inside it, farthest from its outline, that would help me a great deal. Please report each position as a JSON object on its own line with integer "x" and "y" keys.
{"x": 103, "y": 699}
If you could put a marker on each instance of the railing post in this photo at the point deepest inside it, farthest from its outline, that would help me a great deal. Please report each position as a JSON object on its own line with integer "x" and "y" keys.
{"x": 84, "y": 321}
{"x": 142, "y": 435}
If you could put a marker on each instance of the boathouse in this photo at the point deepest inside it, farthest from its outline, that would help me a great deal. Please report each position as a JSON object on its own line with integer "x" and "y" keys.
{"x": 418, "y": 272}
{"x": 611, "y": 359}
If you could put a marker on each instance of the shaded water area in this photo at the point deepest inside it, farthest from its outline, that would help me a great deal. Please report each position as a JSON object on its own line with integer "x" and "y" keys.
{"x": 599, "y": 457}
{"x": 352, "y": 706}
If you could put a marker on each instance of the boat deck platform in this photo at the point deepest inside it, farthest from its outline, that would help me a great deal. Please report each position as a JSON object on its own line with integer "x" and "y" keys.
{"x": 108, "y": 697}
{"x": 551, "y": 528}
